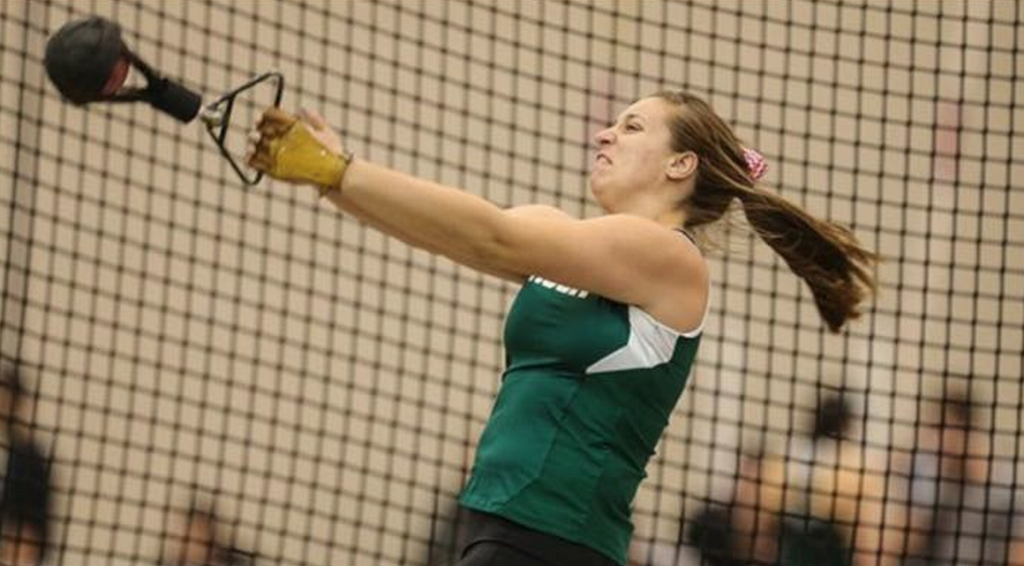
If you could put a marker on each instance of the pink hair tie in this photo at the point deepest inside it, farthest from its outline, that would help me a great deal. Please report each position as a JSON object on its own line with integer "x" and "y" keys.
{"x": 756, "y": 164}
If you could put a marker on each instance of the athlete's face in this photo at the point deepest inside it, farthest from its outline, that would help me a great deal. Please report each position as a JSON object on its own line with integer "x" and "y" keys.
{"x": 633, "y": 154}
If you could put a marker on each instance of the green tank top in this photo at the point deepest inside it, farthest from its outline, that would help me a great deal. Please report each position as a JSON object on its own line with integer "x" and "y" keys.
{"x": 587, "y": 392}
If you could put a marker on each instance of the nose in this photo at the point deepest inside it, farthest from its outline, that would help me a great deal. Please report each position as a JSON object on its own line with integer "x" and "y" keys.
{"x": 604, "y": 137}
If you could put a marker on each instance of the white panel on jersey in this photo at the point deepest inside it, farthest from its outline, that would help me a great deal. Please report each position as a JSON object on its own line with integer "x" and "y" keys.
{"x": 650, "y": 343}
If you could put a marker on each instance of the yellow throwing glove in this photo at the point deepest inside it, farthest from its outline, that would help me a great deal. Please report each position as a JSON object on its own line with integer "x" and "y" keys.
{"x": 289, "y": 151}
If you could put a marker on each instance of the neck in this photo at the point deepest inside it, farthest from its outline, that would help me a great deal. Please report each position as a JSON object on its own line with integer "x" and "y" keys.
{"x": 664, "y": 211}
{"x": 672, "y": 218}
{"x": 675, "y": 218}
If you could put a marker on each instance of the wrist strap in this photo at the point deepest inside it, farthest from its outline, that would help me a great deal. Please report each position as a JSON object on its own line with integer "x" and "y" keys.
{"x": 324, "y": 190}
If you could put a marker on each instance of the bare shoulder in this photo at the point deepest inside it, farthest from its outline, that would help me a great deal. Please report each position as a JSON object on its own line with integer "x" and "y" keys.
{"x": 671, "y": 251}
{"x": 623, "y": 257}
{"x": 680, "y": 296}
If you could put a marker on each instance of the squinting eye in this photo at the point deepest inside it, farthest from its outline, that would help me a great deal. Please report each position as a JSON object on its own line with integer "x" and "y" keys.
{"x": 632, "y": 128}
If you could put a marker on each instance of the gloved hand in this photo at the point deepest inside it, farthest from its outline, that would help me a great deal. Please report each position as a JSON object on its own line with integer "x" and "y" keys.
{"x": 298, "y": 149}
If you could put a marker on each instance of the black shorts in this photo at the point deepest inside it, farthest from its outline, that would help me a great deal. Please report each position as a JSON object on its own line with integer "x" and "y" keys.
{"x": 495, "y": 541}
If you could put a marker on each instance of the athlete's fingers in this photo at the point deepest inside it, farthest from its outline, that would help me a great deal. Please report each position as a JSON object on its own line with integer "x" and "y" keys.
{"x": 274, "y": 122}
{"x": 259, "y": 161}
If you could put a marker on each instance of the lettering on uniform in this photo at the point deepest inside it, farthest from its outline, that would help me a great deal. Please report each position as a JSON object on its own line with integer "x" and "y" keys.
{"x": 563, "y": 289}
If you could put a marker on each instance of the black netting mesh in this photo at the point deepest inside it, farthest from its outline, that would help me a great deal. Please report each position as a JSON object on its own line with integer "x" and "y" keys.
{"x": 319, "y": 388}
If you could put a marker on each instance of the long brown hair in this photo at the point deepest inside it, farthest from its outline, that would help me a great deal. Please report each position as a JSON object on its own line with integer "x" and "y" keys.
{"x": 825, "y": 255}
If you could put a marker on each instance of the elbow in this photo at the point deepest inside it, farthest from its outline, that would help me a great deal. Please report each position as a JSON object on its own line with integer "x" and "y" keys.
{"x": 497, "y": 246}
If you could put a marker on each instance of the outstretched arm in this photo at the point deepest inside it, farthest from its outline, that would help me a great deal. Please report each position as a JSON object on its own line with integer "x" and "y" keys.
{"x": 622, "y": 257}
{"x": 408, "y": 235}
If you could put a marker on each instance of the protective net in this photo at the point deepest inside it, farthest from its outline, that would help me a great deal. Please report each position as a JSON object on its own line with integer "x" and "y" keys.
{"x": 317, "y": 389}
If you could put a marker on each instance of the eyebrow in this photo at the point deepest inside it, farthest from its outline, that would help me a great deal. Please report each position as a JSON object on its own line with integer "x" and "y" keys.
{"x": 630, "y": 116}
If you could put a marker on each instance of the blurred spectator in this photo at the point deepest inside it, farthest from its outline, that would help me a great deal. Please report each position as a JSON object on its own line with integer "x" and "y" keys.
{"x": 820, "y": 503}
{"x": 25, "y": 495}
{"x": 198, "y": 541}
{"x": 828, "y": 501}
{"x": 798, "y": 508}
{"x": 839, "y": 512}
{"x": 961, "y": 504}
{"x": 808, "y": 505}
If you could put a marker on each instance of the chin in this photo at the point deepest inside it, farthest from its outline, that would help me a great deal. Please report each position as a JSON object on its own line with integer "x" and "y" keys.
{"x": 600, "y": 198}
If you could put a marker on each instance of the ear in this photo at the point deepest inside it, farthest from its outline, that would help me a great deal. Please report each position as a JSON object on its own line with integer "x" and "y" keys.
{"x": 682, "y": 166}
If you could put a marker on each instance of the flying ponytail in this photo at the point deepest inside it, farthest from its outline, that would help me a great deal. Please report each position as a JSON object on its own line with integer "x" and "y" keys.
{"x": 836, "y": 267}
{"x": 824, "y": 254}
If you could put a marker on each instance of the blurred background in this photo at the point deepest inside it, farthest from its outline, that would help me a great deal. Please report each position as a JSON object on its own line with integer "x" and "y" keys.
{"x": 179, "y": 348}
